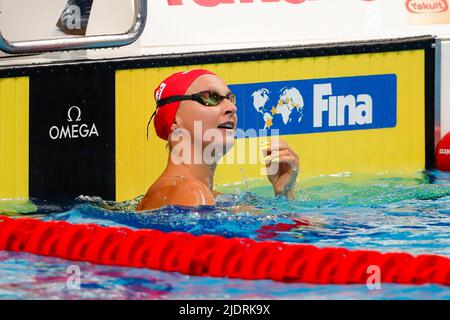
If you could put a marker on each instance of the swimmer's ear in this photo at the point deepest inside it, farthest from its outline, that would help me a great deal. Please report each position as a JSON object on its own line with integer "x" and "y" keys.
{"x": 174, "y": 127}
{"x": 174, "y": 124}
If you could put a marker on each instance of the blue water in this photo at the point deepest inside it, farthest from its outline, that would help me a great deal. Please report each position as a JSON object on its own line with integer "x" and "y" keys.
{"x": 389, "y": 214}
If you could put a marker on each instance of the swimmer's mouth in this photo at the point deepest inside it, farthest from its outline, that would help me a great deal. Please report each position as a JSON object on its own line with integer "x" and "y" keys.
{"x": 226, "y": 125}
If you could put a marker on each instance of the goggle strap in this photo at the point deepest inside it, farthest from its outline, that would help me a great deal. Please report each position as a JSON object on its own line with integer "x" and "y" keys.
{"x": 171, "y": 99}
{"x": 149, "y": 121}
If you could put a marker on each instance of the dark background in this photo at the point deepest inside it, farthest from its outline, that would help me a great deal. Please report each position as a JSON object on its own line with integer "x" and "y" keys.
{"x": 64, "y": 169}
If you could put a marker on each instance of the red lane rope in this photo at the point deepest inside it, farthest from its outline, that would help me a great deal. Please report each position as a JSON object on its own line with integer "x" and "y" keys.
{"x": 209, "y": 255}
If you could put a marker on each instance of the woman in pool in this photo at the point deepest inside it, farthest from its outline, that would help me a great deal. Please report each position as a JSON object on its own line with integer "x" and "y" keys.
{"x": 191, "y": 106}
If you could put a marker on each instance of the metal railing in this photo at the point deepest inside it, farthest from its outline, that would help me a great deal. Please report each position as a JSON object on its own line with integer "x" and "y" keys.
{"x": 82, "y": 42}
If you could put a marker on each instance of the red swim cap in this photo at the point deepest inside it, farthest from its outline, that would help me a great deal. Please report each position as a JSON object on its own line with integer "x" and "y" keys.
{"x": 443, "y": 153}
{"x": 174, "y": 85}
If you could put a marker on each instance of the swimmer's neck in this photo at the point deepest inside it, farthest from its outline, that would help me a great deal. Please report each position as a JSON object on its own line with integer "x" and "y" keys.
{"x": 200, "y": 172}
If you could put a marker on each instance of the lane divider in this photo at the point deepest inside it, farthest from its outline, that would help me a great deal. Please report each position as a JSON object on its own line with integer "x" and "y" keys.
{"x": 216, "y": 256}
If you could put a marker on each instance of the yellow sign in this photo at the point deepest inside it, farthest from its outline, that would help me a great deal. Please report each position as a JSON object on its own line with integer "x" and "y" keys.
{"x": 398, "y": 150}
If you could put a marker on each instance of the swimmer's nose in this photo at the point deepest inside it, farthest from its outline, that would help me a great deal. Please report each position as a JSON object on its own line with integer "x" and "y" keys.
{"x": 229, "y": 108}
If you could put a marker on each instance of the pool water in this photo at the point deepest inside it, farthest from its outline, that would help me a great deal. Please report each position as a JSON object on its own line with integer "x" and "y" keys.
{"x": 379, "y": 212}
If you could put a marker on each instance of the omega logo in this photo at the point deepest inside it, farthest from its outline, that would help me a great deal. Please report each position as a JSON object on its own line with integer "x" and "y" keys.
{"x": 75, "y": 129}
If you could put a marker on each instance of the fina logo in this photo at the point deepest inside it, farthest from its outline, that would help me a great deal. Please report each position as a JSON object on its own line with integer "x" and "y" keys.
{"x": 319, "y": 105}
{"x": 359, "y": 107}
{"x": 73, "y": 130}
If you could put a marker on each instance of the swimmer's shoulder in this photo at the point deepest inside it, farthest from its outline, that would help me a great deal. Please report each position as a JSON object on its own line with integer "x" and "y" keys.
{"x": 176, "y": 191}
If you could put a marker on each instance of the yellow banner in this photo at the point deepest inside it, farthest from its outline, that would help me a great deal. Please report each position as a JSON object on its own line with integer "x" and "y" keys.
{"x": 398, "y": 150}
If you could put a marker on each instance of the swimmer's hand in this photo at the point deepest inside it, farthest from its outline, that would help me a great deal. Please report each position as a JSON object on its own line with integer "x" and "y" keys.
{"x": 282, "y": 165}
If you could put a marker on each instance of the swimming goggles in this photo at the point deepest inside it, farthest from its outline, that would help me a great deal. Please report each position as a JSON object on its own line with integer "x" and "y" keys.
{"x": 207, "y": 98}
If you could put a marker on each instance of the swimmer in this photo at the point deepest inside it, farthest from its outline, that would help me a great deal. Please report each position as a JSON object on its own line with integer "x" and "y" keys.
{"x": 188, "y": 105}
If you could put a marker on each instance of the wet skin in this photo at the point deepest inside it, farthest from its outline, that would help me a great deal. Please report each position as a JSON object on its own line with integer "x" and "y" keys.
{"x": 191, "y": 184}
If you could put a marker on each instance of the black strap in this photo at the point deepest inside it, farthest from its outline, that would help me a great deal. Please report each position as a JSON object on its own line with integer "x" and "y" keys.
{"x": 149, "y": 121}
{"x": 171, "y": 99}
{"x": 168, "y": 100}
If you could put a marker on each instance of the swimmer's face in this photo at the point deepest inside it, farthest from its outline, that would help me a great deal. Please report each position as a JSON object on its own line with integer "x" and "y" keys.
{"x": 215, "y": 120}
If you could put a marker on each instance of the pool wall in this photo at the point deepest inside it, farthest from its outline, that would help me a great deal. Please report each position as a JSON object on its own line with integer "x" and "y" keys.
{"x": 68, "y": 129}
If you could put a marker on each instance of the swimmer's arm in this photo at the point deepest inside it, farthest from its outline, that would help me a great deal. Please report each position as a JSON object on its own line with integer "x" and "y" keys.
{"x": 240, "y": 208}
{"x": 246, "y": 208}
